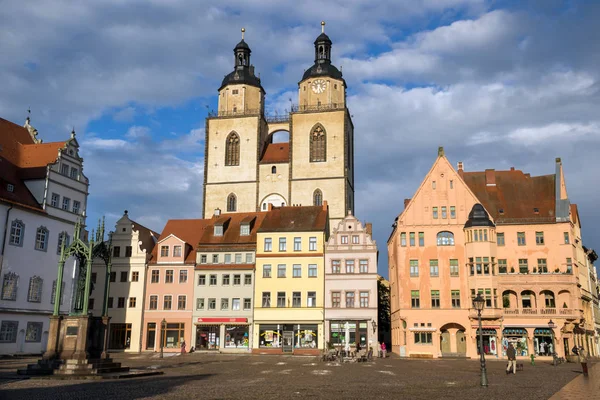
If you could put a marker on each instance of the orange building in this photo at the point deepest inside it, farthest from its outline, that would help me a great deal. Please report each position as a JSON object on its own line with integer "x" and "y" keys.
{"x": 513, "y": 238}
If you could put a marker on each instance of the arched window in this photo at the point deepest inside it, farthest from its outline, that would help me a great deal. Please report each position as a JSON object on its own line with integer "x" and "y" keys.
{"x": 318, "y": 144}
{"x": 445, "y": 239}
{"x": 34, "y": 295}
{"x": 317, "y": 198}
{"x": 63, "y": 236}
{"x": 549, "y": 300}
{"x": 41, "y": 239}
{"x": 273, "y": 169}
{"x": 232, "y": 149}
{"x": 231, "y": 202}
{"x": 17, "y": 230}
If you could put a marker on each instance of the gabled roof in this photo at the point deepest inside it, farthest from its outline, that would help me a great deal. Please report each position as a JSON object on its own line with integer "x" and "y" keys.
{"x": 231, "y": 237}
{"x": 276, "y": 153}
{"x": 296, "y": 219}
{"x": 188, "y": 230}
{"x": 10, "y": 174}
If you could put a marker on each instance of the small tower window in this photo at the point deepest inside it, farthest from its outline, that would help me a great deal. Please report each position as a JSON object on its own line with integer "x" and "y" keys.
{"x": 318, "y": 143}
{"x": 231, "y": 203}
{"x": 273, "y": 169}
{"x": 318, "y": 198}
{"x": 232, "y": 149}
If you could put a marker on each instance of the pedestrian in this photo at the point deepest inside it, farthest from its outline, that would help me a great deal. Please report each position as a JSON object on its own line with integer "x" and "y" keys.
{"x": 183, "y": 346}
{"x": 542, "y": 348}
{"x": 357, "y": 347}
{"x": 512, "y": 359}
{"x": 583, "y": 360}
{"x": 550, "y": 349}
{"x": 383, "y": 349}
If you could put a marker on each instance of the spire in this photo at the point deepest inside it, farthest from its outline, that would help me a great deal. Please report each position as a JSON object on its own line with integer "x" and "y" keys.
{"x": 243, "y": 31}
{"x": 242, "y": 53}
{"x": 32, "y": 131}
{"x": 323, "y": 47}
{"x": 73, "y": 133}
{"x": 322, "y": 26}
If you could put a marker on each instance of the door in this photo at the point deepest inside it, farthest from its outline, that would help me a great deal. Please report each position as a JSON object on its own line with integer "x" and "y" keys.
{"x": 461, "y": 343}
{"x": 445, "y": 342}
{"x": 288, "y": 341}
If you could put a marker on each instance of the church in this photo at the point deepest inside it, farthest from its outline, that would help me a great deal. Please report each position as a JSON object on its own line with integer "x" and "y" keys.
{"x": 245, "y": 169}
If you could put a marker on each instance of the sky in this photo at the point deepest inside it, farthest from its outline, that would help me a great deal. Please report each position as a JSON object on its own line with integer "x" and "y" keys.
{"x": 497, "y": 83}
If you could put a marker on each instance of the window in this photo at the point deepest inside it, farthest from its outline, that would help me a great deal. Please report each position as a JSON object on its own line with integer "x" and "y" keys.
{"x": 62, "y": 236}
{"x": 248, "y": 258}
{"x": 232, "y": 149}
{"x": 135, "y": 276}
{"x": 414, "y": 268}
{"x": 215, "y": 259}
{"x": 318, "y": 144}
{"x": 155, "y": 276}
{"x": 452, "y": 212}
{"x": 181, "y": 302}
{"x": 433, "y": 185}
{"x": 237, "y": 280}
{"x": 76, "y": 206}
{"x": 451, "y": 184}
{"x": 435, "y": 213}
{"x": 296, "y": 299}
{"x": 566, "y": 235}
{"x": 247, "y": 279}
{"x": 412, "y": 239}
{"x": 433, "y": 268}
{"x": 273, "y": 169}
{"x": 218, "y": 230}
{"x": 113, "y": 276}
{"x": 153, "y": 302}
{"x": 364, "y": 266}
{"x": 212, "y": 280}
{"x": 201, "y": 280}
{"x": 41, "y": 239}
{"x": 455, "y": 294}
{"x": 17, "y": 230}
{"x": 453, "y": 267}
{"x": 336, "y": 299}
{"x": 231, "y": 203}
{"x": 435, "y": 299}
{"x": 500, "y": 239}
{"x": 183, "y": 276}
{"x": 225, "y": 280}
{"x": 238, "y": 258}
{"x": 312, "y": 244}
{"x": 349, "y": 299}
{"x": 282, "y": 244}
{"x": 423, "y": 338}
{"x": 421, "y": 239}
{"x": 502, "y": 266}
{"x": 117, "y": 251}
{"x": 444, "y": 213}
{"x": 227, "y": 258}
{"x": 124, "y": 276}
{"x": 297, "y": 271}
{"x": 132, "y": 302}
{"x": 169, "y": 276}
{"x": 55, "y": 200}
{"x": 349, "y": 266}
{"x": 73, "y": 173}
{"x": 312, "y": 270}
{"x": 539, "y": 238}
{"x": 244, "y": 229}
{"x": 414, "y": 299}
{"x": 64, "y": 170}
{"x": 212, "y": 304}
{"x": 66, "y": 203}
{"x": 311, "y": 299}
{"x": 297, "y": 244}
{"x": 336, "y": 266}
{"x": 247, "y": 303}
{"x": 549, "y": 300}
{"x": 523, "y": 267}
{"x": 364, "y": 299}
{"x": 280, "y": 299}
{"x": 8, "y": 331}
{"x": 445, "y": 239}
{"x": 403, "y": 239}
{"x": 176, "y": 251}
{"x": 344, "y": 239}
{"x": 128, "y": 251}
{"x": 268, "y": 244}
{"x": 355, "y": 239}
{"x": 521, "y": 238}
{"x": 34, "y": 295}
{"x": 235, "y": 304}
{"x": 266, "y": 299}
{"x": 167, "y": 302}
{"x": 266, "y": 271}
{"x": 542, "y": 265}
{"x": 9, "y": 286}
{"x": 317, "y": 198}
{"x": 121, "y": 302}
{"x": 199, "y": 304}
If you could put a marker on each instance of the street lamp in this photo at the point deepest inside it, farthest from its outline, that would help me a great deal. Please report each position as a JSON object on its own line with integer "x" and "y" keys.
{"x": 551, "y": 325}
{"x": 478, "y": 303}
{"x": 163, "y": 325}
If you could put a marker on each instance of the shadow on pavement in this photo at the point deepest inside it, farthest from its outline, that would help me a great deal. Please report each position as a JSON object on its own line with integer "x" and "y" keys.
{"x": 111, "y": 389}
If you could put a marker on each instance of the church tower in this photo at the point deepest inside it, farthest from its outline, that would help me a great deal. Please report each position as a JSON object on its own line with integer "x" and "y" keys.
{"x": 322, "y": 137}
{"x": 233, "y": 139}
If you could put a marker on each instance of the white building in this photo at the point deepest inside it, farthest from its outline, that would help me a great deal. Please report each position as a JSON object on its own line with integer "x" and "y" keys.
{"x": 42, "y": 194}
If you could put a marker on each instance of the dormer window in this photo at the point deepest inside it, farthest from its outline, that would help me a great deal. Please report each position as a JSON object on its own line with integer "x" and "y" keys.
{"x": 164, "y": 251}
{"x": 536, "y": 210}
{"x": 501, "y": 211}
{"x": 10, "y": 188}
{"x": 218, "y": 230}
{"x": 245, "y": 230}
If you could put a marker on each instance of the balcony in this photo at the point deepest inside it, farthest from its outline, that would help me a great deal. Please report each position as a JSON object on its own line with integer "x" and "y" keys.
{"x": 486, "y": 313}
{"x": 527, "y": 312}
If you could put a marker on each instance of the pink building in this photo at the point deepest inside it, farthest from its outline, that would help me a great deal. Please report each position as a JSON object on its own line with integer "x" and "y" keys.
{"x": 169, "y": 286}
{"x": 514, "y": 239}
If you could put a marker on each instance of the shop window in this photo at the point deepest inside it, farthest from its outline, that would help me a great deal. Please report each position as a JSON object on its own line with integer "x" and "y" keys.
{"x": 270, "y": 335}
{"x": 173, "y": 337}
{"x": 236, "y": 336}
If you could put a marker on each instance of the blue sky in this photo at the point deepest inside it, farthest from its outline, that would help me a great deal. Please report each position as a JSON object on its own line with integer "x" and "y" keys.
{"x": 497, "y": 83}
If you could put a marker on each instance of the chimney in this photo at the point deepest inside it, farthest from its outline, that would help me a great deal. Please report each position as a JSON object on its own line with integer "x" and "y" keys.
{"x": 512, "y": 168}
{"x": 217, "y": 212}
{"x": 406, "y": 201}
{"x": 490, "y": 177}
{"x": 440, "y": 151}
{"x": 325, "y": 205}
{"x": 460, "y": 166}
{"x": 369, "y": 228}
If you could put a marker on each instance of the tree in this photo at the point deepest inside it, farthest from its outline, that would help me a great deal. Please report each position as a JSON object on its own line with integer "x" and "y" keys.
{"x": 383, "y": 309}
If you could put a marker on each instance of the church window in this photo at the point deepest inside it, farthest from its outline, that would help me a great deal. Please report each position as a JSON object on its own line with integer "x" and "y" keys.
{"x": 232, "y": 149}
{"x": 273, "y": 169}
{"x": 318, "y": 198}
{"x": 234, "y": 91}
{"x": 318, "y": 142}
{"x": 231, "y": 202}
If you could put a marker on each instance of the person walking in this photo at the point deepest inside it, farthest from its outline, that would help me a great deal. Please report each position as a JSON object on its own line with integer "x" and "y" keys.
{"x": 183, "y": 347}
{"x": 383, "y": 349}
{"x": 512, "y": 359}
{"x": 583, "y": 360}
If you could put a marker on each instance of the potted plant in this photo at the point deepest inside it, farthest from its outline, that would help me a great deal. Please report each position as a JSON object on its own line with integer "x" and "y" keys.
{"x": 512, "y": 270}
{"x": 557, "y": 270}
{"x": 564, "y": 305}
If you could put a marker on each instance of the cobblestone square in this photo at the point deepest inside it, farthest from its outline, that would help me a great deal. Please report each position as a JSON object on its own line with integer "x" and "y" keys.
{"x": 217, "y": 376}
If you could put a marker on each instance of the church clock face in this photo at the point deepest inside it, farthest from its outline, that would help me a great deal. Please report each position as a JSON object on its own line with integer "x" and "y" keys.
{"x": 319, "y": 85}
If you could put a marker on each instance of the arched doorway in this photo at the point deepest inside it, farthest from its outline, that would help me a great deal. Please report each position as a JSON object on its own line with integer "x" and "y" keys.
{"x": 445, "y": 342}
{"x": 453, "y": 342}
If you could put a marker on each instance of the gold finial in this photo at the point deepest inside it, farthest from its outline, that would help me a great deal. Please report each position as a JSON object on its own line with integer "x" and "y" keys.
{"x": 243, "y": 31}
{"x": 322, "y": 26}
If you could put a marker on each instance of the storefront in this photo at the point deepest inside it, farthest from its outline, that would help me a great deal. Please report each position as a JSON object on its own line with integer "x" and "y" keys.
{"x": 237, "y": 337}
{"x": 288, "y": 337}
{"x": 490, "y": 345}
{"x": 119, "y": 336}
{"x": 223, "y": 334}
{"x": 208, "y": 337}
{"x": 542, "y": 342}
{"x": 353, "y": 331}
{"x": 518, "y": 338}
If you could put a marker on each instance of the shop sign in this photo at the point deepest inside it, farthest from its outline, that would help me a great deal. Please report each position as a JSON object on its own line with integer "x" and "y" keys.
{"x": 222, "y": 320}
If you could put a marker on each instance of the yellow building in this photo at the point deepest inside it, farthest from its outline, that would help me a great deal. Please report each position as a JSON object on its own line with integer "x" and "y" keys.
{"x": 289, "y": 284}
{"x": 302, "y": 158}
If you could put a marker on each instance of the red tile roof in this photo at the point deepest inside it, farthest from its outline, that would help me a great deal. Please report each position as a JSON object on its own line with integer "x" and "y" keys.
{"x": 231, "y": 236}
{"x": 276, "y": 153}
{"x": 188, "y": 230}
{"x": 296, "y": 219}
